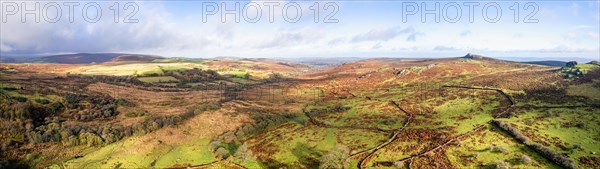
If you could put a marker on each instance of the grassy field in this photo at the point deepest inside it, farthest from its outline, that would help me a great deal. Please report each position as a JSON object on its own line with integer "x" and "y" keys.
{"x": 587, "y": 90}
{"x": 160, "y": 156}
{"x": 574, "y": 132}
{"x": 296, "y": 145}
{"x": 133, "y": 69}
{"x": 366, "y": 113}
{"x": 487, "y": 148}
{"x": 585, "y": 68}
{"x": 463, "y": 114}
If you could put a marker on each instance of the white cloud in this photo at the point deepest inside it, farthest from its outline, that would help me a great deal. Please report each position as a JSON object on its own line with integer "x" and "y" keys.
{"x": 287, "y": 38}
{"x": 465, "y": 33}
{"x": 5, "y": 48}
{"x": 560, "y": 49}
{"x": 413, "y": 36}
{"x": 153, "y": 31}
{"x": 377, "y": 46}
{"x": 444, "y": 48}
{"x": 173, "y": 33}
{"x": 384, "y": 34}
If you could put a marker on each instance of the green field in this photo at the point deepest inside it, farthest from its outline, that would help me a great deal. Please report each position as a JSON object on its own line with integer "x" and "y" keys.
{"x": 575, "y": 132}
{"x": 129, "y": 154}
{"x": 486, "y": 148}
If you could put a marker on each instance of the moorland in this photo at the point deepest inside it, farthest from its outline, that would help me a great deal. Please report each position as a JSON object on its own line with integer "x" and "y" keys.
{"x": 141, "y": 111}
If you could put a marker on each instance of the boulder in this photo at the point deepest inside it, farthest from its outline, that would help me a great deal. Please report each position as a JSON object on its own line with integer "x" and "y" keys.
{"x": 571, "y": 64}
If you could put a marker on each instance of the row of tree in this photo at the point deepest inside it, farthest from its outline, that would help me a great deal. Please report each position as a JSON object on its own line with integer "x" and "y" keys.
{"x": 194, "y": 75}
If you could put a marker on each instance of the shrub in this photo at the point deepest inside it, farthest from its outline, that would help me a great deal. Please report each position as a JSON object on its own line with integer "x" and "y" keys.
{"x": 222, "y": 153}
{"x": 525, "y": 159}
{"x": 214, "y": 145}
{"x": 90, "y": 139}
{"x": 137, "y": 113}
{"x": 42, "y": 101}
{"x": 55, "y": 107}
{"x": 20, "y": 99}
{"x": 513, "y": 131}
{"x": 123, "y": 102}
{"x": 334, "y": 158}
{"x": 339, "y": 108}
{"x": 209, "y": 106}
{"x": 500, "y": 148}
{"x": 243, "y": 154}
{"x": 502, "y": 164}
{"x": 72, "y": 99}
{"x": 399, "y": 164}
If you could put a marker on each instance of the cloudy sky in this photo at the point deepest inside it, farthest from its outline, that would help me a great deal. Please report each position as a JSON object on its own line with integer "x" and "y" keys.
{"x": 541, "y": 29}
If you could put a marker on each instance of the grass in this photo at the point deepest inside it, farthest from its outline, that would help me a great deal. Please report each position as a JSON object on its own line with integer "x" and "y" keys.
{"x": 194, "y": 153}
{"x": 463, "y": 114}
{"x": 239, "y": 80}
{"x": 238, "y": 73}
{"x": 585, "y": 68}
{"x": 179, "y": 60}
{"x": 299, "y": 146}
{"x": 127, "y": 154}
{"x": 483, "y": 150}
{"x": 460, "y": 110}
{"x": 365, "y": 113}
{"x": 13, "y": 90}
{"x": 588, "y": 90}
{"x": 132, "y": 69}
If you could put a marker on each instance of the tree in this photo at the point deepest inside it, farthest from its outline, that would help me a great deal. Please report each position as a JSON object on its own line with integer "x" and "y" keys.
{"x": 243, "y": 154}
{"x": 214, "y": 145}
{"x": 90, "y": 139}
{"x": 71, "y": 141}
{"x": 334, "y": 158}
{"x": 222, "y": 153}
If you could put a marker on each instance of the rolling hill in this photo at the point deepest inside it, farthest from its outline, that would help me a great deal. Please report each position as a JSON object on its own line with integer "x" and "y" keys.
{"x": 82, "y": 58}
{"x": 460, "y": 112}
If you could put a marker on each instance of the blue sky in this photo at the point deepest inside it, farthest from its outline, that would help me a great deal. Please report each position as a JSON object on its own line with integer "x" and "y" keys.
{"x": 564, "y": 30}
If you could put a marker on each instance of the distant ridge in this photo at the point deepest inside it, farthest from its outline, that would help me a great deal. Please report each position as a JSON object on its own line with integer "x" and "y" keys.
{"x": 553, "y": 63}
{"x": 83, "y": 58}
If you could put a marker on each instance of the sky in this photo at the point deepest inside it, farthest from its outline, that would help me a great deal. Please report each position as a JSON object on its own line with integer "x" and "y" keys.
{"x": 534, "y": 30}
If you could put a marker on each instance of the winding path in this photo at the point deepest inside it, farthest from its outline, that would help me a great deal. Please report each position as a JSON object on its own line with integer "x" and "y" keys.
{"x": 362, "y": 162}
{"x": 372, "y": 151}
